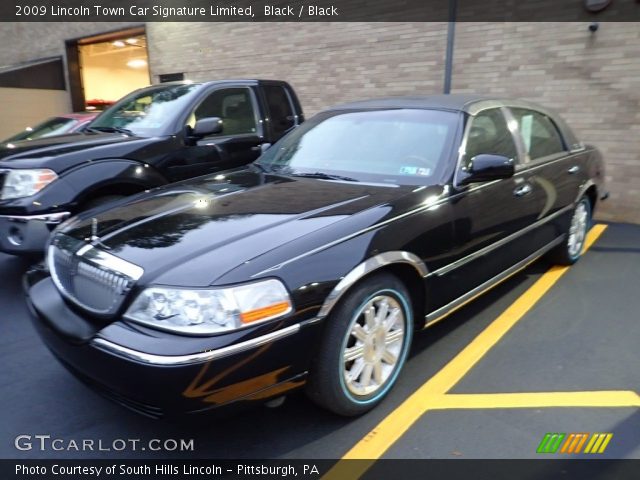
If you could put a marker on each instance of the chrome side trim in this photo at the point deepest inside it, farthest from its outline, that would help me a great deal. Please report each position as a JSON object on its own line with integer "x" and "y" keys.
{"x": 194, "y": 358}
{"x": 49, "y": 218}
{"x": 500, "y": 243}
{"x": 366, "y": 267}
{"x": 451, "y": 307}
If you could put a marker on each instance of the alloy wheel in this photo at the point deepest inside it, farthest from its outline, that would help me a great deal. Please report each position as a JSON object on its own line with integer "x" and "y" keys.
{"x": 578, "y": 230}
{"x": 374, "y": 345}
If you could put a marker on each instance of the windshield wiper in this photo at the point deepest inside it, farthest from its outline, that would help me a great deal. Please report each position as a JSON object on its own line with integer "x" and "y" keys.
{"x": 126, "y": 131}
{"x": 324, "y": 176}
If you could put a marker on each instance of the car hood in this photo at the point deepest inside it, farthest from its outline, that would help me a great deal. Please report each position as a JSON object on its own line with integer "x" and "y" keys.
{"x": 192, "y": 233}
{"x": 65, "y": 151}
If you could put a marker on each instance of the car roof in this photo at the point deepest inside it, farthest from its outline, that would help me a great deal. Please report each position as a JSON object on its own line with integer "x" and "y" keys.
{"x": 469, "y": 103}
{"x": 242, "y": 81}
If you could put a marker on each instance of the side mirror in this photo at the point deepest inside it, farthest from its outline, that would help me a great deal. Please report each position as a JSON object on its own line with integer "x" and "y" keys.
{"x": 207, "y": 126}
{"x": 487, "y": 167}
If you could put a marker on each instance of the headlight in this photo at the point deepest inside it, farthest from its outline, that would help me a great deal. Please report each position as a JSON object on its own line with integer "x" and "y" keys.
{"x": 209, "y": 311}
{"x": 24, "y": 183}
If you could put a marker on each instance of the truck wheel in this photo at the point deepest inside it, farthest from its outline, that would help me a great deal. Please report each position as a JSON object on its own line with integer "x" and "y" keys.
{"x": 570, "y": 250}
{"x": 365, "y": 345}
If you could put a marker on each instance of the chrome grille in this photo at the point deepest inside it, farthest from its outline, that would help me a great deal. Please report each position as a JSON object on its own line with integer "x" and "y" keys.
{"x": 91, "y": 278}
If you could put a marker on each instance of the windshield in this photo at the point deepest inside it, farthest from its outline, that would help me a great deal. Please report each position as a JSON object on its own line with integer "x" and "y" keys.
{"x": 398, "y": 146}
{"x": 48, "y": 128}
{"x": 145, "y": 112}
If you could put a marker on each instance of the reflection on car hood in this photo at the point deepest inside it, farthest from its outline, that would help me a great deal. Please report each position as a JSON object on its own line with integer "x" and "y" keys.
{"x": 228, "y": 220}
{"x": 65, "y": 151}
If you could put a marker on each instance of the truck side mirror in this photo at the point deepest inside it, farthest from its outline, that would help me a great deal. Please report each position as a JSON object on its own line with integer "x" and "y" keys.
{"x": 207, "y": 126}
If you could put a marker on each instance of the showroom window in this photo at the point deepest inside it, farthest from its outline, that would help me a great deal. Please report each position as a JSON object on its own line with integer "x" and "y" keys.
{"x": 104, "y": 68}
{"x": 539, "y": 134}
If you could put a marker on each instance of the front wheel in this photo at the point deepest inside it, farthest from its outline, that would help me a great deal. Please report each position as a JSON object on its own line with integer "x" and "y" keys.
{"x": 364, "y": 347}
{"x": 569, "y": 251}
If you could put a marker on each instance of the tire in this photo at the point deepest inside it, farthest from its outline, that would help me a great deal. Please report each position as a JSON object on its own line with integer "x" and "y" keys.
{"x": 378, "y": 359}
{"x": 570, "y": 250}
{"x": 101, "y": 201}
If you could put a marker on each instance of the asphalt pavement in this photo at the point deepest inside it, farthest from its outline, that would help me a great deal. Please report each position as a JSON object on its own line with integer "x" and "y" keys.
{"x": 581, "y": 336}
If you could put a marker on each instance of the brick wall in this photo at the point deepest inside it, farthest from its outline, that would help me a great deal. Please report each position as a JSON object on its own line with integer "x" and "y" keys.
{"x": 22, "y": 42}
{"x": 327, "y": 63}
{"x": 592, "y": 79}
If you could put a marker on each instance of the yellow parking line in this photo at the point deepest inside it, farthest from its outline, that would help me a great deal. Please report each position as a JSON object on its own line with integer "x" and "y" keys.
{"x": 391, "y": 428}
{"x": 536, "y": 400}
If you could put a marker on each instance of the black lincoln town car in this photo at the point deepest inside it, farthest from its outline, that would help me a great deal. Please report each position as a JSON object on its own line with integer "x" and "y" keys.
{"x": 313, "y": 266}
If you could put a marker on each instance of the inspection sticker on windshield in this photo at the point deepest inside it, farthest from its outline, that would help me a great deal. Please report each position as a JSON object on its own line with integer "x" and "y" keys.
{"x": 409, "y": 170}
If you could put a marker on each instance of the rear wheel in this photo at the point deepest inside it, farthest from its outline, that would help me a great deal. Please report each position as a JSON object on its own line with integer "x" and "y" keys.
{"x": 569, "y": 251}
{"x": 365, "y": 346}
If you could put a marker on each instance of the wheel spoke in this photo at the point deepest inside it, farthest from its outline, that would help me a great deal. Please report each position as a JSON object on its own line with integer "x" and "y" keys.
{"x": 377, "y": 372}
{"x": 370, "y": 318}
{"x": 393, "y": 337}
{"x": 391, "y": 319}
{"x": 356, "y": 370}
{"x": 389, "y": 357}
{"x": 353, "y": 353}
{"x": 383, "y": 310}
{"x": 365, "y": 378}
{"x": 359, "y": 332}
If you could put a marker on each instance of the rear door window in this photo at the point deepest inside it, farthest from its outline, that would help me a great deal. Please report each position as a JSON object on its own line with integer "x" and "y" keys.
{"x": 540, "y": 136}
{"x": 281, "y": 113}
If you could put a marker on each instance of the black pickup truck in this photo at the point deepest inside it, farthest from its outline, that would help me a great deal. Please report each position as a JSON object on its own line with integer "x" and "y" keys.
{"x": 154, "y": 136}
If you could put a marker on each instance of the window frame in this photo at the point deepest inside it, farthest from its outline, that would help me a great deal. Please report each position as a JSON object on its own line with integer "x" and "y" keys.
{"x": 254, "y": 103}
{"x": 268, "y": 116}
{"x": 511, "y": 127}
{"x": 527, "y": 161}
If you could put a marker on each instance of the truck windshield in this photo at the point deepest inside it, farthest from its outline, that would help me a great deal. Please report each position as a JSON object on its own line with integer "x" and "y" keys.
{"x": 397, "y": 146}
{"x": 145, "y": 112}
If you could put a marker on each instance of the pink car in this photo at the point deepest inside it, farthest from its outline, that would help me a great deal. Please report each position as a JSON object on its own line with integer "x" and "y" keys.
{"x": 62, "y": 124}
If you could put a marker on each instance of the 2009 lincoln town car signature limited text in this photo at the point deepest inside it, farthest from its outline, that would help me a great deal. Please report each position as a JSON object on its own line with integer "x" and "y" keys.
{"x": 314, "y": 265}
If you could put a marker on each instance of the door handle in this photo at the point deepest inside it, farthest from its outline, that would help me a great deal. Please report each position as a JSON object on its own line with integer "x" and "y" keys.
{"x": 574, "y": 169}
{"x": 523, "y": 190}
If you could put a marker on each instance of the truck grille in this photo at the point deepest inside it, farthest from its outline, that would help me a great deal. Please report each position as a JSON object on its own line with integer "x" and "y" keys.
{"x": 89, "y": 277}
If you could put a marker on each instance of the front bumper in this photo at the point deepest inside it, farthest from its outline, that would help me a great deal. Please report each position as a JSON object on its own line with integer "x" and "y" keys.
{"x": 28, "y": 234}
{"x": 155, "y": 384}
